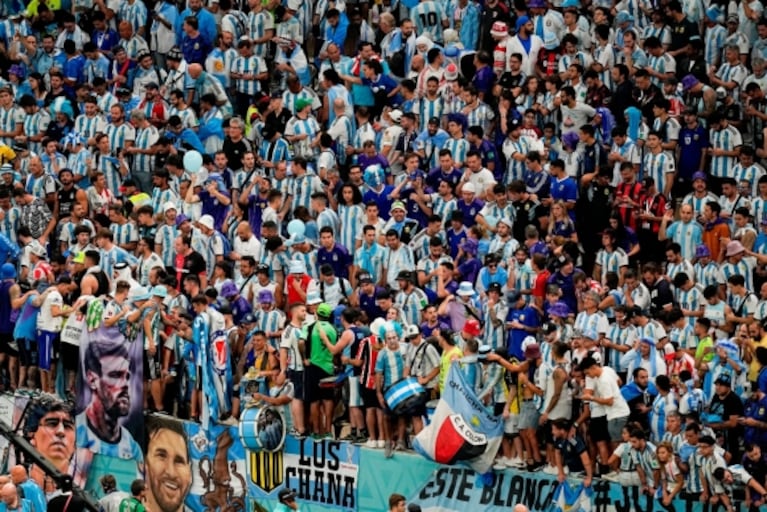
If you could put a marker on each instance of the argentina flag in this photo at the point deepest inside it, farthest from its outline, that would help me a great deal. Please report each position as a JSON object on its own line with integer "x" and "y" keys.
{"x": 572, "y": 499}
{"x": 462, "y": 429}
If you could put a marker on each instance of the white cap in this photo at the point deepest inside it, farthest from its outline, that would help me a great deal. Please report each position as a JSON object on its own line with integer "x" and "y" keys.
{"x": 469, "y": 187}
{"x": 170, "y": 205}
{"x": 297, "y": 267}
{"x": 395, "y": 115}
{"x": 294, "y": 4}
{"x": 207, "y": 221}
{"x": 412, "y": 331}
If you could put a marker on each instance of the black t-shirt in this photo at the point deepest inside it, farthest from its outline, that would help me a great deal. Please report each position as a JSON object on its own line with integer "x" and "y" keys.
{"x": 234, "y": 152}
{"x": 278, "y": 120}
{"x": 571, "y": 450}
{"x": 730, "y": 405}
{"x": 194, "y": 264}
{"x": 509, "y": 81}
{"x": 681, "y": 34}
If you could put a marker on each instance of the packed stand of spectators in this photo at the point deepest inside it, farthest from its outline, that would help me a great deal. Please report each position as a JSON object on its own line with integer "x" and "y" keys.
{"x": 566, "y": 200}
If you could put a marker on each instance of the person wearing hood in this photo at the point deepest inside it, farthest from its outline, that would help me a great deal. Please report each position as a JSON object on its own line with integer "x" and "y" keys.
{"x": 526, "y": 43}
{"x": 644, "y": 354}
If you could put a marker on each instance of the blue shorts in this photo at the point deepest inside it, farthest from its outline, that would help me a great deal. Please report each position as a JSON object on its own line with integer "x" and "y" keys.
{"x": 45, "y": 340}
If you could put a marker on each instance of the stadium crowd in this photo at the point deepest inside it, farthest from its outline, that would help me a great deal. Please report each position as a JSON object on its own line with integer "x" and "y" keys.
{"x": 307, "y": 203}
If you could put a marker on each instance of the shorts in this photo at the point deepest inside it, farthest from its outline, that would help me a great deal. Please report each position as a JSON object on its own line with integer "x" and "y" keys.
{"x": 369, "y": 398}
{"x": 528, "y": 415}
{"x": 27, "y": 352}
{"x": 45, "y": 341}
{"x": 314, "y": 393}
{"x": 614, "y": 428}
{"x": 598, "y": 429}
{"x": 297, "y": 378}
{"x": 355, "y": 398}
{"x": 152, "y": 366}
{"x": 70, "y": 356}
{"x": 7, "y": 345}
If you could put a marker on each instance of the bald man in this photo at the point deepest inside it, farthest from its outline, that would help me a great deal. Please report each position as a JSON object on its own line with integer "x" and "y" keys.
{"x": 11, "y": 501}
{"x": 520, "y": 508}
{"x": 32, "y": 492}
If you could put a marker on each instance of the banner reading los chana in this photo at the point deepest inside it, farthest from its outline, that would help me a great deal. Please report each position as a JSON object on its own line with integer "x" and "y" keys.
{"x": 321, "y": 472}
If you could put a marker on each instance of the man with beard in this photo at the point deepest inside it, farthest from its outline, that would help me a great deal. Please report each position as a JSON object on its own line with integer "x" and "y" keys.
{"x": 168, "y": 468}
{"x": 108, "y": 376}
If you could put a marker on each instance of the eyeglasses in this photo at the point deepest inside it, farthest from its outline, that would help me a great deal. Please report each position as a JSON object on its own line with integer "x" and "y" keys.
{"x": 53, "y": 423}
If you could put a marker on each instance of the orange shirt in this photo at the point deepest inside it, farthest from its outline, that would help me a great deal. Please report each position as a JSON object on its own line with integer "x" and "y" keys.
{"x": 712, "y": 238}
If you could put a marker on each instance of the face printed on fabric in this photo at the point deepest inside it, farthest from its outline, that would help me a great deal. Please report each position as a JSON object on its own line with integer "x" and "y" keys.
{"x": 55, "y": 437}
{"x": 112, "y": 387}
{"x": 168, "y": 471}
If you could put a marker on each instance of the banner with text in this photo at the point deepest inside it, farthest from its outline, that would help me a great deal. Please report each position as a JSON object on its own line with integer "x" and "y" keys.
{"x": 321, "y": 472}
{"x": 455, "y": 489}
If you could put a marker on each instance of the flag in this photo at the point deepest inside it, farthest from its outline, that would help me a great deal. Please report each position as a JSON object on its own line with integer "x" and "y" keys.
{"x": 462, "y": 429}
{"x": 572, "y": 499}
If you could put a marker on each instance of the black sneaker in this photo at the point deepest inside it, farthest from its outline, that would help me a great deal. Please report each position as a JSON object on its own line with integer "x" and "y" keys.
{"x": 361, "y": 438}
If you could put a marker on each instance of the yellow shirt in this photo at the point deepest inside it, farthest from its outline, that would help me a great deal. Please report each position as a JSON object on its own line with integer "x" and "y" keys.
{"x": 753, "y": 368}
{"x": 448, "y": 356}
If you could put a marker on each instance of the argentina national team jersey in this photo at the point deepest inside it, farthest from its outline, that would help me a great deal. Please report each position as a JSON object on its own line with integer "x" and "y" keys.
{"x": 428, "y": 16}
{"x": 10, "y": 118}
{"x": 726, "y": 139}
{"x": 458, "y": 149}
{"x": 10, "y": 223}
{"x": 658, "y": 166}
{"x": 125, "y": 448}
{"x": 166, "y": 236}
{"x": 35, "y": 125}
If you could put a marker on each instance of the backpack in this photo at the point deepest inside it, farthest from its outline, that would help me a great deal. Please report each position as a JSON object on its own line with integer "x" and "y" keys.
{"x": 224, "y": 241}
{"x": 397, "y": 61}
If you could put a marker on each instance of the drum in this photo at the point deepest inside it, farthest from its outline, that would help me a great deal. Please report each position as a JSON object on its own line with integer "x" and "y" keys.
{"x": 404, "y": 395}
{"x": 263, "y": 428}
{"x": 431, "y": 406}
{"x": 330, "y": 382}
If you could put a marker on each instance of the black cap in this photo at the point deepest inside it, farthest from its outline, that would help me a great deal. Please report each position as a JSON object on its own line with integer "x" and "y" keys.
{"x": 286, "y": 495}
{"x": 262, "y": 268}
{"x": 434, "y": 120}
{"x": 724, "y": 380}
{"x": 123, "y": 91}
{"x": 405, "y": 274}
{"x": 494, "y": 287}
{"x": 364, "y": 277}
{"x": 383, "y": 294}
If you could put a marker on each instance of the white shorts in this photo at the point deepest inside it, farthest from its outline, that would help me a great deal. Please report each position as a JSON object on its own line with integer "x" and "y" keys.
{"x": 355, "y": 399}
{"x": 510, "y": 424}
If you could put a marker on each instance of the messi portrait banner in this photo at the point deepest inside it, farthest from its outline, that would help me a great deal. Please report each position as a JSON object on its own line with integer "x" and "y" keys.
{"x": 109, "y": 407}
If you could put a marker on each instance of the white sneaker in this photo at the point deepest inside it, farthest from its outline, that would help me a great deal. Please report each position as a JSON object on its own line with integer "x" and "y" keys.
{"x": 371, "y": 443}
{"x": 499, "y": 466}
{"x": 550, "y": 470}
{"x": 613, "y": 476}
{"x": 380, "y": 444}
{"x": 516, "y": 462}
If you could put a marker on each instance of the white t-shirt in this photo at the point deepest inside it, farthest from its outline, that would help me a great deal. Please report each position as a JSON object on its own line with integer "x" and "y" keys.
{"x": 482, "y": 180}
{"x": 45, "y": 320}
{"x": 606, "y": 387}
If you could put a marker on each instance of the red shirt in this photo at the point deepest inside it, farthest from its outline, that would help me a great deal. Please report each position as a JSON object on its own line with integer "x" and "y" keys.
{"x": 539, "y": 288}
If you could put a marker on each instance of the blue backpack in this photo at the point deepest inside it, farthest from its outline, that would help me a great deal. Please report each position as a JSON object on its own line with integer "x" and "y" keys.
{"x": 224, "y": 241}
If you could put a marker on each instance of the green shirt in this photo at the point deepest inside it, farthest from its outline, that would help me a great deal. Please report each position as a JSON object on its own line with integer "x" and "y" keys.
{"x": 131, "y": 505}
{"x": 704, "y": 344}
{"x": 320, "y": 356}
